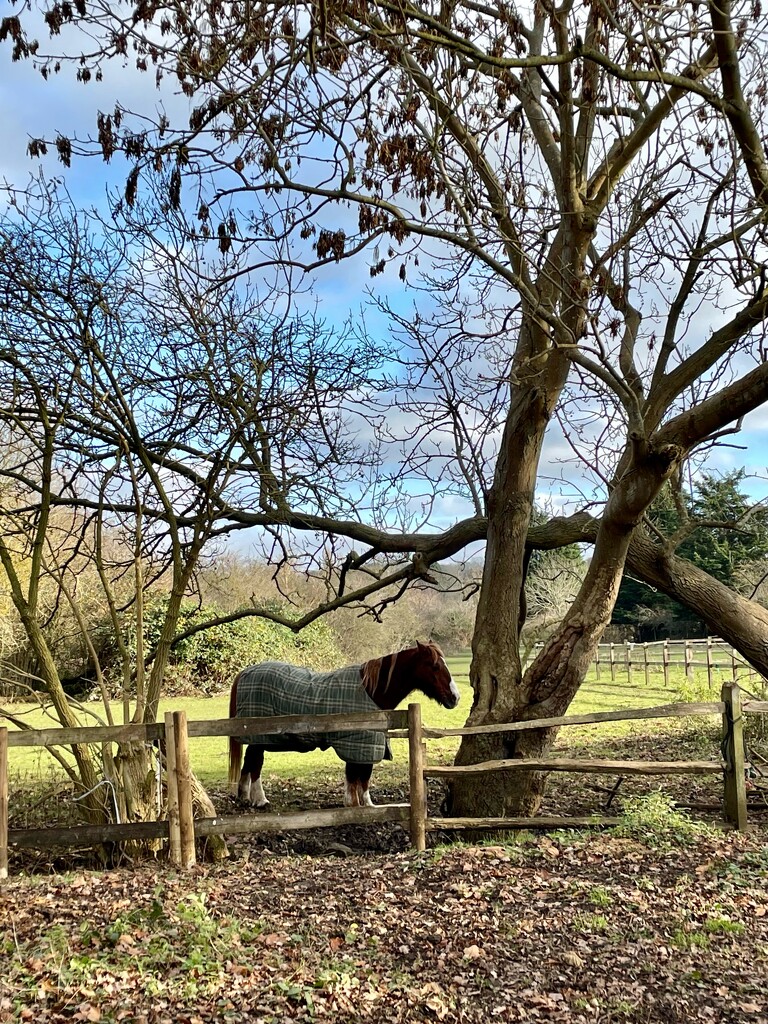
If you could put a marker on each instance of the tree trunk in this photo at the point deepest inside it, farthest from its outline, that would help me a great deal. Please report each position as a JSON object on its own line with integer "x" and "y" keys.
{"x": 214, "y": 847}
{"x": 552, "y": 681}
{"x": 91, "y": 802}
{"x": 137, "y": 795}
{"x": 738, "y": 620}
{"x": 496, "y": 669}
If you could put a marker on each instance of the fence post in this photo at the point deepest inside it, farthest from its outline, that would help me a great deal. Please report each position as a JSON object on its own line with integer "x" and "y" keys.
{"x": 735, "y": 792}
{"x": 418, "y": 785}
{"x": 628, "y": 650}
{"x": 3, "y": 802}
{"x": 613, "y": 664}
{"x": 184, "y": 789}
{"x": 665, "y": 661}
{"x": 709, "y": 662}
{"x": 174, "y": 831}
{"x": 688, "y": 661}
{"x": 645, "y": 664}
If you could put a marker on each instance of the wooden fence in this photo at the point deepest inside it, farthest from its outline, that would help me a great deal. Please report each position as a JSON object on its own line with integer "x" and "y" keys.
{"x": 634, "y": 661}
{"x": 180, "y": 829}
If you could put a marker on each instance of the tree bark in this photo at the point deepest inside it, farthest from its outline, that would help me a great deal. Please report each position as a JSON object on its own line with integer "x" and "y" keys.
{"x": 552, "y": 681}
{"x": 136, "y": 793}
{"x": 738, "y": 620}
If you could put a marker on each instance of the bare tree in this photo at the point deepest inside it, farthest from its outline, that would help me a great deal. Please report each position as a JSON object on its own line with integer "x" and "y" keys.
{"x": 553, "y": 581}
{"x": 586, "y": 187}
{"x": 137, "y": 413}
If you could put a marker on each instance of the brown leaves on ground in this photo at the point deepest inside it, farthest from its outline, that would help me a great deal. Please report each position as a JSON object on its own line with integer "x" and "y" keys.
{"x": 608, "y": 930}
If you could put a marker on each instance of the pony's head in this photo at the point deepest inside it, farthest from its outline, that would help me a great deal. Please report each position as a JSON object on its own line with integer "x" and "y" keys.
{"x": 431, "y": 675}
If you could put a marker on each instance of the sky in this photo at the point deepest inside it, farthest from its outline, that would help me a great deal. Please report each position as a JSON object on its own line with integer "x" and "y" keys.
{"x": 30, "y": 106}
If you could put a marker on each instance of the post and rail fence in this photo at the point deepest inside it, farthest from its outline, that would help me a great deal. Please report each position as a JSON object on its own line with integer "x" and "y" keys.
{"x": 180, "y": 829}
{"x": 632, "y": 660}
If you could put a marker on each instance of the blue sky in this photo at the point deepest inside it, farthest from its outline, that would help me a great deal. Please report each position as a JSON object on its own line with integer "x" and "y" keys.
{"x": 30, "y": 106}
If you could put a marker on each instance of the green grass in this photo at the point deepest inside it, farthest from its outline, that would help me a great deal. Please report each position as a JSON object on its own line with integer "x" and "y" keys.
{"x": 209, "y": 754}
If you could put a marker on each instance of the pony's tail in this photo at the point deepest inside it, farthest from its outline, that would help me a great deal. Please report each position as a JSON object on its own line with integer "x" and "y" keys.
{"x": 235, "y": 745}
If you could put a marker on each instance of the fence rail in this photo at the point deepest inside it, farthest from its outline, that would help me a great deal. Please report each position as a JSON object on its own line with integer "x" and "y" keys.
{"x": 180, "y": 828}
{"x": 711, "y": 654}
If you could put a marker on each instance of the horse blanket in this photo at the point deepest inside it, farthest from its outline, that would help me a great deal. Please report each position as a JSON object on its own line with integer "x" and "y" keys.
{"x": 275, "y": 688}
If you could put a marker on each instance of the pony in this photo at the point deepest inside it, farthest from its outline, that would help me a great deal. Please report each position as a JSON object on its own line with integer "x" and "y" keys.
{"x": 276, "y": 688}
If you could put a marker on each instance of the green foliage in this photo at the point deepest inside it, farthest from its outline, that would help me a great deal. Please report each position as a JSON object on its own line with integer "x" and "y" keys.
{"x": 720, "y": 550}
{"x": 599, "y": 896}
{"x": 723, "y": 926}
{"x": 692, "y": 935}
{"x": 655, "y": 822}
{"x": 591, "y": 923}
{"x": 695, "y": 688}
{"x": 209, "y": 659}
{"x": 687, "y": 940}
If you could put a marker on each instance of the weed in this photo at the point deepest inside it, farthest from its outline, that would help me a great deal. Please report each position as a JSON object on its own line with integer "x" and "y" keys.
{"x": 696, "y": 689}
{"x": 599, "y": 896}
{"x": 624, "y": 1006}
{"x": 723, "y": 926}
{"x": 591, "y": 922}
{"x": 297, "y": 993}
{"x": 513, "y": 843}
{"x": 653, "y": 821}
{"x": 177, "y": 952}
{"x": 684, "y": 939}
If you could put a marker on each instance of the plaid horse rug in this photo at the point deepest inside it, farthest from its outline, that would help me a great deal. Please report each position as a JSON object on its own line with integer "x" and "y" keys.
{"x": 276, "y": 688}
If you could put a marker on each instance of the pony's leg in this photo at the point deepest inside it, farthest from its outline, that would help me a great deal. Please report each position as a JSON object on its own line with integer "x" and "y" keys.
{"x": 356, "y": 787}
{"x": 244, "y": 786}
{"x": 366, "y": 784}
{"x": 251, "y": 790}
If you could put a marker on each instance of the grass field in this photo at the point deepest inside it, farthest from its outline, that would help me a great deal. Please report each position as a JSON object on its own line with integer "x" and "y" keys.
{"x": 209, "y": 755}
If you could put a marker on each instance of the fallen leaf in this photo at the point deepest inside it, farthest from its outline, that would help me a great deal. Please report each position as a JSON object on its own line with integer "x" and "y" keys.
{"x": 573, "y": 959}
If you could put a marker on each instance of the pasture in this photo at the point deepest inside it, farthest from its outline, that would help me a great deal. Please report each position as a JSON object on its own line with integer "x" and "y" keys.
{"x": 296, "y": 782}
{"x": 209, "y": 755}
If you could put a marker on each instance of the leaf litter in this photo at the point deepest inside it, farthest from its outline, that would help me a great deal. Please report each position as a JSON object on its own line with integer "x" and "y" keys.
{"x": 608, "y": 930}
{"x": 660, "y": 924}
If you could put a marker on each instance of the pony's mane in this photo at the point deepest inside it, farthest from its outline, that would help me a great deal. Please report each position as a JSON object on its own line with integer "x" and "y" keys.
{"x": 370, "y": 671}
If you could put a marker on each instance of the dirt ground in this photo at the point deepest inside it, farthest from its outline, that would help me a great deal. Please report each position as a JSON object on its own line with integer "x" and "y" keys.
{"x": 666, "y": 921}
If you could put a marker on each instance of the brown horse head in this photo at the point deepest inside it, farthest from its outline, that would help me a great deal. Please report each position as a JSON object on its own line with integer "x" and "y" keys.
{"x": 390, "y": 679}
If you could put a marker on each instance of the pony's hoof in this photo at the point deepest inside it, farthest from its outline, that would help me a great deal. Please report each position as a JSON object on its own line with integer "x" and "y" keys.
{"x": 262, "y": 807}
